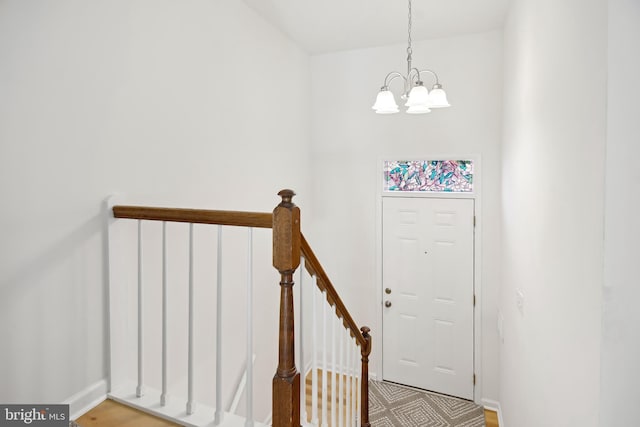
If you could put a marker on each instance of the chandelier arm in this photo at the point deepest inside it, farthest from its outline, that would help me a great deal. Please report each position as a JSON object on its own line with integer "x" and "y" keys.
{"x": 413, "y": 72}
{"x": 391, "y": 77}
{"x": 431, "y": 72}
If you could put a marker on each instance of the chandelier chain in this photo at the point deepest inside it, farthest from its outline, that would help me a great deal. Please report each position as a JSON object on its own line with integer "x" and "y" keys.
{"x": 409, "y": 49}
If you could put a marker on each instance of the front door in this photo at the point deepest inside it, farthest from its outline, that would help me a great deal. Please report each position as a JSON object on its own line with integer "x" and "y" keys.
{"x": 428, "y": 261}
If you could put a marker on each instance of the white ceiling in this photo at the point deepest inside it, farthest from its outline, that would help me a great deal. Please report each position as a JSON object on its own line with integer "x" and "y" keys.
{"x": 320, "y": 26}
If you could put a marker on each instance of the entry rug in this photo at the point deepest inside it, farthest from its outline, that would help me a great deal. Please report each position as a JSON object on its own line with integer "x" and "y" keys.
{"x": 392, "y": 405}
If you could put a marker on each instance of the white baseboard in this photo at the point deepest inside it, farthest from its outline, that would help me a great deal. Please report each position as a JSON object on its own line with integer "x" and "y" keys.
{"x": 87, "y": 399}
{"x": 490, "y": 404}
{"x": 493, "y": 405}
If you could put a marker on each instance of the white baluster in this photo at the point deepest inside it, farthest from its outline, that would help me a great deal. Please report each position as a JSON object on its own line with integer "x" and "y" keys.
{"x": 334, "y": 376}
{"x": 341, "y": 413}
{"x": 139, "y": 388}
{"x": 163, "y": 396}
{"x": 358, "y": 386}
{"x": 354, "y": 386}
{"x": 219, "y": 414}
{"x": 301, "y": 364}
{"x": 249, "y": 416}
{"x": 314, "y": 352}
{"x": 348, "y": 378}
{"x": 325, "y": 397}
{"x": 190, "y": 402}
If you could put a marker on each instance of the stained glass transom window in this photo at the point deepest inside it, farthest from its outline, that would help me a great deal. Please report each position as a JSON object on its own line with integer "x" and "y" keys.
{"x": 429, "y": 175}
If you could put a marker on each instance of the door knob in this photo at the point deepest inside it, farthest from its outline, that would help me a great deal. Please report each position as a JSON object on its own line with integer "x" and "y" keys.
{"x": 387, "y": 303}
{"x": 387, "y": 291}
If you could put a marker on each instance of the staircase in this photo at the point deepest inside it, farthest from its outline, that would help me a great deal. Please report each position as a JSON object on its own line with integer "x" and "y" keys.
{"x": 339, "y": 402}
{"x": 169, "y": 287}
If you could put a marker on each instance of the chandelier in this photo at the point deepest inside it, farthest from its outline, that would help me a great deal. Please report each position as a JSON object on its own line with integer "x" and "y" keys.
{"x": 419, "y": 99}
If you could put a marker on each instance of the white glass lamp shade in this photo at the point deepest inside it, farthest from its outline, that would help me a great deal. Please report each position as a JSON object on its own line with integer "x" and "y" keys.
{"x": 385, "y": 103}
{"x": 418, "y": 97}
{"x": 418, "y": 109}
{"x": 438, "y": 98}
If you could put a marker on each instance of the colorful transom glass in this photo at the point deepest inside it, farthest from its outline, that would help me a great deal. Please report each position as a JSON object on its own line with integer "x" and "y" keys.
{"x": 429, "y": 175}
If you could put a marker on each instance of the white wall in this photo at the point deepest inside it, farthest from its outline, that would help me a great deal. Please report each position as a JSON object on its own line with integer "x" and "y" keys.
{"x": 553, "y": 168}
{"x": 620, "y": 374}
{"x": 196, "y": 103}
{"x": 349, "y": 139}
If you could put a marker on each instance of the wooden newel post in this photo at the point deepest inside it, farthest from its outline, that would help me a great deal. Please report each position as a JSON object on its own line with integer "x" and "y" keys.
{"x": 364, "y": 382}
{"x": 286, "y": 258}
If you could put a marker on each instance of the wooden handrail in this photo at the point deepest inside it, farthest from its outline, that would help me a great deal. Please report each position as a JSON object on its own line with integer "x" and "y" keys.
{"x": 314, "y": 267}
{"x": 196, "y": 216}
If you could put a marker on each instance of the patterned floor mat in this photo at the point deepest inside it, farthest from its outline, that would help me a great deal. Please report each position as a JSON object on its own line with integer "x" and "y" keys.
{"x": 392, "y": 405}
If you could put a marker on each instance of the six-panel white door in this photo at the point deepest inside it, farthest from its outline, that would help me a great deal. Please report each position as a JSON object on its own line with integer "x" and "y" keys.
{"x": 428, "y": 263}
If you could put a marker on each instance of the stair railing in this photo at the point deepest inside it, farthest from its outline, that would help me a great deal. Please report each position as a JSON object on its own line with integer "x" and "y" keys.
{"x": 138, "y": 394}
{"x": 336, "y": 378}
{"x": 289, "y": 247}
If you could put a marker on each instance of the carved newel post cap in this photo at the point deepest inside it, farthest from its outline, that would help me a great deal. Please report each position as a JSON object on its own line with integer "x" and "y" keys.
{"x": 287, "y": 196}
{"x": 366, "y": 350}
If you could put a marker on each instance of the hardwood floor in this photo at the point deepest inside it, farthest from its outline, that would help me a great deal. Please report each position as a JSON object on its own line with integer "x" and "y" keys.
{"x": 491, "y": 418}
{"x": 113, "y": 414}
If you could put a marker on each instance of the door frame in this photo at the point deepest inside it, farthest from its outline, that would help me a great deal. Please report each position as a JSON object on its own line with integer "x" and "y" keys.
{"x": 476, "y": 196}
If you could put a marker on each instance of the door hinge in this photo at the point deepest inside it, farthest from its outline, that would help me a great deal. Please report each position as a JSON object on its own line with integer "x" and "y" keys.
{"x": 474, "y": 221}
{"x": 474, "y": 300}
{"x": 474, "y": 379}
